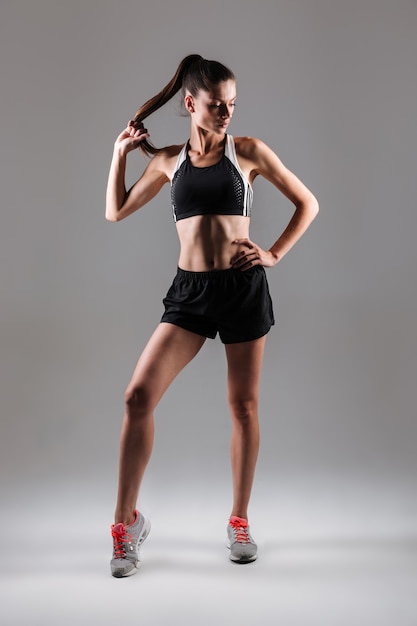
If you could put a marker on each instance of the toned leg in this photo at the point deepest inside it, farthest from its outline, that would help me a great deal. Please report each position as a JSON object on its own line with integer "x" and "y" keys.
{"x": 168, "y": 351}
{"x": 244, "y": 369}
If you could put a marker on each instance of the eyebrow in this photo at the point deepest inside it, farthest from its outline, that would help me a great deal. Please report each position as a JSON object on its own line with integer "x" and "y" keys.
{"x": 220, "y": 99}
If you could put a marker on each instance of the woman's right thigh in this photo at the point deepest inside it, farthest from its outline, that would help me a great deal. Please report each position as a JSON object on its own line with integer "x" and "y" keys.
{"x": 167, "y": 352}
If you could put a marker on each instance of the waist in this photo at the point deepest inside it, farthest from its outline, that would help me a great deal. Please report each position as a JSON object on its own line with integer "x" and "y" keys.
{"x": 213, "y": 275}
{"x": 207, "y": 241}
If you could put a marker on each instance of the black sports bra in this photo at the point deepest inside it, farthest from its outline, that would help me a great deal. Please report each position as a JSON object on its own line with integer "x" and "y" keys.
{"x": 219, "y": 189}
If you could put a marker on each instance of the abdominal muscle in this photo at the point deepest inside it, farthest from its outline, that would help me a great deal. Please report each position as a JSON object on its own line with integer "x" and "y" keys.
{"x": 206, "y": 241}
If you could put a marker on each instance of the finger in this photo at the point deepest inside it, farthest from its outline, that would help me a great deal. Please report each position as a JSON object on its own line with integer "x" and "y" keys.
{"x": 141, "y": 138}
{"x": 252, "y": 253}
{"x": 136, "y": 124}
{"x": 243, "y": 256}
{"x": 248, "y": 265}
{"x": 241, "y": 262}
{"x": 244, "y": 242}
{"x": 247, "y": 258}
{"x": 237, "y": 256}
{"x": 138, "y": 133}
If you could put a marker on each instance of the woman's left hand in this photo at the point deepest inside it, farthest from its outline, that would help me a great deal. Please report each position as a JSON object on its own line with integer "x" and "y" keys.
{"x": 252, "y": 255}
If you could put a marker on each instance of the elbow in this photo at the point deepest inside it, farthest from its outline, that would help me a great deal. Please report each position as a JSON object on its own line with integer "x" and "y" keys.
{"x": 115, "y": 212}
{"x": 112, "y": 216}
{"x": 315, "y": 208}
{"x": 308, "y": 209}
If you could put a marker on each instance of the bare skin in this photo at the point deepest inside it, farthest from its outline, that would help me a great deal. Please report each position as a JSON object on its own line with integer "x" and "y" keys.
{"x": 210, "y": 242}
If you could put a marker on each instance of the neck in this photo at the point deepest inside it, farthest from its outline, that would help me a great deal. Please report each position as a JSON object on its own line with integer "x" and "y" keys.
{"x": 203, "y": 142}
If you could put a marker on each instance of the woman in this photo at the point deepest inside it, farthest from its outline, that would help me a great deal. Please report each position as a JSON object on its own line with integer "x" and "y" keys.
{"x": 220, "y": 285}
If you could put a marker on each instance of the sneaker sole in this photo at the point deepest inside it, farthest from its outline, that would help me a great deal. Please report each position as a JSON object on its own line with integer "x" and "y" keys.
{"x": 243, "y": 561}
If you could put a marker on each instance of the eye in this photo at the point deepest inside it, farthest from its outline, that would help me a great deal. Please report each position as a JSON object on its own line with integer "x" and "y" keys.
{"x": 218, "y": 106}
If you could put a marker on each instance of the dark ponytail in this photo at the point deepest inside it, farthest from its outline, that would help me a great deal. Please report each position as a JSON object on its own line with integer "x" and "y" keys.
{"x": 193, "y": 73}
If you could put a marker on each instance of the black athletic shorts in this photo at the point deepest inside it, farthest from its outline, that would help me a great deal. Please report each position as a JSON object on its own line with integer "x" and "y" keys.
{"x": 233, "y": 303}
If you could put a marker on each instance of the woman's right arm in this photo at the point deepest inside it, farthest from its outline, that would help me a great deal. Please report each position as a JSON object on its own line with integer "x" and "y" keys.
{"x": 119, "y": 202}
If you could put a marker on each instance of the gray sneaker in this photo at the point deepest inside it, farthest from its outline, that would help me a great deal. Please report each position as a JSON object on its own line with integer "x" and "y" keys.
{"x": 243, "y": 549}
{"x": 126, "y": 542}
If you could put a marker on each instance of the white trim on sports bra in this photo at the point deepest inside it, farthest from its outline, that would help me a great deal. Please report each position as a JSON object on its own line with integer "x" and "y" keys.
{"x": 230, "y": 152}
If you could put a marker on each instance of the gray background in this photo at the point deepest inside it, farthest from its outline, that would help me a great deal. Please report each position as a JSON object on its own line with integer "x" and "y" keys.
{"x": 331, "y": 87}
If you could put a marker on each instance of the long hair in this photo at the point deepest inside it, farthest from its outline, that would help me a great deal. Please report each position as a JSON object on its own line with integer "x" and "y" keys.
{"x": 193, "y": 73}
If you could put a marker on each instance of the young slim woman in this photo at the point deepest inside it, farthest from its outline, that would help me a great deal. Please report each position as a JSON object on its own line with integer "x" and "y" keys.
{"x": 220, "y": 285}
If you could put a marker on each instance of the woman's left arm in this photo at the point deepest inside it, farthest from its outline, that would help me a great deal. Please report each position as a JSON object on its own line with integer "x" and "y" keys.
{"x": 267, "y": 164}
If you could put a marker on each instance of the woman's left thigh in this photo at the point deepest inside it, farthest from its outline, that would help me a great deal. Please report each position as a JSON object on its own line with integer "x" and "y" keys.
{"x": 244, "y": 369}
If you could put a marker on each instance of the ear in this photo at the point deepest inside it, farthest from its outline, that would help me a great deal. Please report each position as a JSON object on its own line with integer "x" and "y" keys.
{"x": 189, "y": 103}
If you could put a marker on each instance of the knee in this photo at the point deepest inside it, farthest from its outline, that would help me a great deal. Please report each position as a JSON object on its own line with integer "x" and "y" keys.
{"x": 244, "y": 411}
{"x": 138, "y": 400}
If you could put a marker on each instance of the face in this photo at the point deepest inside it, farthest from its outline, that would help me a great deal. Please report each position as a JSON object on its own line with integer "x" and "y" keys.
{"x": 212, "y": 110}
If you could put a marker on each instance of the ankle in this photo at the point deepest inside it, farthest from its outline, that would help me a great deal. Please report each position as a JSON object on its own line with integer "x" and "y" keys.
{"x": 127, "y": 518}
{"x": 242, "y": 515}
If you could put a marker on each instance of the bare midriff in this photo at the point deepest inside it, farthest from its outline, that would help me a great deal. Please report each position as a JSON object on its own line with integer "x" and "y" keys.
{"x": 207, "y": 241}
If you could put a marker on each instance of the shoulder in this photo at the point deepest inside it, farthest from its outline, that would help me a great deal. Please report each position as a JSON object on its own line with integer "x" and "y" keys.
{"x": 164, "y": 160}
{"x": 257, "y": 154}
{"x": 251, "y": 148}
{"x": 167, "y": 154}
{"x": 170, "y": 152}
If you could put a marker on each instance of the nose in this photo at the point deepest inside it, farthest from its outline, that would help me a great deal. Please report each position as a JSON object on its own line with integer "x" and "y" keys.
{"x": 226, "y": 111}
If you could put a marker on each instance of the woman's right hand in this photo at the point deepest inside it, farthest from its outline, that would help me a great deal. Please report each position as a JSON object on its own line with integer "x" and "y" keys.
{"x": 130, "y": 138}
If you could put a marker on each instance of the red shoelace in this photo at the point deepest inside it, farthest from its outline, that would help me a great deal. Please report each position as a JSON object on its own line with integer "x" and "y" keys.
{"x": 240, "y": 527}
{"x": 120, "y": 537}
